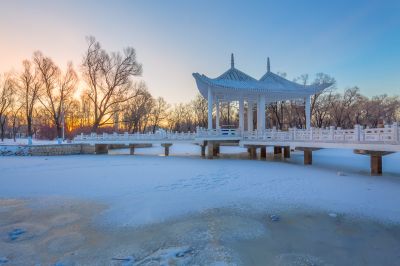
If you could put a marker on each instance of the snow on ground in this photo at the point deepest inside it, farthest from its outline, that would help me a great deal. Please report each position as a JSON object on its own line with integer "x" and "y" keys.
{"x": 146, "y": 188}
{"x": 24, "y": 141}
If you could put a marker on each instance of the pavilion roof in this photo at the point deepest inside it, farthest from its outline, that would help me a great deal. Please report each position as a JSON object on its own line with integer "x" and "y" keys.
{"x": 234, "y": 74}
{"x": 270, "y": 84}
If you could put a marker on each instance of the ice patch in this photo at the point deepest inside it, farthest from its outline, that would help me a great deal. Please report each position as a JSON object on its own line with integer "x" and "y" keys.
{"x": 295, "y": 259}
{"x": 167, "y": 256}
{"x": 333, "y": 215}
{"x": 65, "y": 243}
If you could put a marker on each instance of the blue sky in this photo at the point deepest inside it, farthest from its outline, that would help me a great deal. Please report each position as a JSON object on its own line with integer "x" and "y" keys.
{"x": 357, "y": 42}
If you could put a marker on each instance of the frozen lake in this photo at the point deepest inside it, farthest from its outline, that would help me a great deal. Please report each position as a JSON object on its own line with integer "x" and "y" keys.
{"x": 186, "y": 210}
{"x": 65, "y": 232}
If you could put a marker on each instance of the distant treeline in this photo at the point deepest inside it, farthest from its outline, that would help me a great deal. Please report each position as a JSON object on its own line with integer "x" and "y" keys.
{"x": 43, "y": 100}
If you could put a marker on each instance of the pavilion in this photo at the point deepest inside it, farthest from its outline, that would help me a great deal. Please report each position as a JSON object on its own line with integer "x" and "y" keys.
{"x": 235, "y": 85}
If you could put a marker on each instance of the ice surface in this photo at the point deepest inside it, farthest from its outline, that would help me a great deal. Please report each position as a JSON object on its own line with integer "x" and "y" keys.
{"x": 145, "y": 189}
{"x": 218, "y": 236}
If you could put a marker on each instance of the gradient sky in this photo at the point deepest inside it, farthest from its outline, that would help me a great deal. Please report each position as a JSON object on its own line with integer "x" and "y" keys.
{"x": 357, "y": 42}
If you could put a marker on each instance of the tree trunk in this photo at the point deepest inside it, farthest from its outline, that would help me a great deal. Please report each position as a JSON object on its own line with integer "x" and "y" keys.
{"x": 2, "y": 125}
{"x": 59, "y": 130}
{"x": 95, "y": 127}
{"x": 29, "y": 120}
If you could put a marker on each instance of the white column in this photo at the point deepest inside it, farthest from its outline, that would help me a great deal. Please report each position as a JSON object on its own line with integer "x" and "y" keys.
{"x": 210, "y": 108}
{"x": 241, "y": 114}
{"x": 261, "y": 113}
{"x": 308, "y": 112}
{"x": 249, "y": 116}
{"x": 396, "y": 133}
{"x": 217, "y": 114}
{"x": 258, "y": 114}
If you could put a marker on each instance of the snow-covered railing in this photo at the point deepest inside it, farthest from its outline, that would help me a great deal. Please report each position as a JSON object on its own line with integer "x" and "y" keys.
{"x": 221, "y": 132}
{"x": 387, "y": 134}
{"x": 136, "y": 136}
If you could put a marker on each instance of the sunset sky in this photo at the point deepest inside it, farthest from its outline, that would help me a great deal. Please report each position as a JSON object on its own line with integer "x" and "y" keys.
{"x": 357, "y": 42}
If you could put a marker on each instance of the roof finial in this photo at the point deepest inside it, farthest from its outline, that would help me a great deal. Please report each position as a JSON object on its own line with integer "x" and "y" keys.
{"x": 232, "y": 61}
{"x": 268, "y": 65}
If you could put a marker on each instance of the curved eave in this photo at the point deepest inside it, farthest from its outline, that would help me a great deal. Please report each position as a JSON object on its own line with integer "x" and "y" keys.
{"x": 317, "y": 88}
{"x": 281, "y": 83}
{"x": 256, "y": 87}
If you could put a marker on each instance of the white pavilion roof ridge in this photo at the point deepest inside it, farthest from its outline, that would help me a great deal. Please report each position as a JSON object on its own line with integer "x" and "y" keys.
{"x": 234, "y": 73}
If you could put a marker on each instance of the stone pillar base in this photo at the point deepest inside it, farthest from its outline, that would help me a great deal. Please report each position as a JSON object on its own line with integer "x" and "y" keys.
{"x": 376, "y": 159}
{"x": 101, "y": 148}
{"x": 307, "y": 157}
{"x": 210, "y": 150}
{"x": 263, "y": 152}
{"x": 376, "y": 164}
{"x": 166, "y": 148}
{"x": 277, "y": 150}
{"x": 286, "y": 152}
{"x": 216, "y": 149}
{"x": 253, "y": 153}
{"x": 203, "y": 150}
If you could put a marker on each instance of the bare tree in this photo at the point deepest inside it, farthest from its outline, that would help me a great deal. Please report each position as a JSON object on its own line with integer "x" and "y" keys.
{"x": 200, "y": 108}
{"x": 381, "y": 109}
{"x": 159, "y": 112}
{"x": 321, "y": 110}
{"x": 6, "y": 100}
{"x": 342, "y": 106}
{"x": 181, "y": 118}
{"x": 58, "y": 88}
{"x": 138, "y": 109}
{"x": 16, "y": 118}
{"x": 28, "y": 84}
{"x": 321, "y": 78}
{"x": 109, "y": 79}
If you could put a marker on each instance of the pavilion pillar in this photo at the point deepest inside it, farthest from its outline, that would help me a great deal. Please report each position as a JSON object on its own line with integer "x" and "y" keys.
{"x": 210, "y": 108}
{"x": 241, "y": 114}
{"x": 308, "y": 112}
{"x": 261, "y": 114}
{"x": 249, "y": 116}
{"x": 217, "y": 114}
